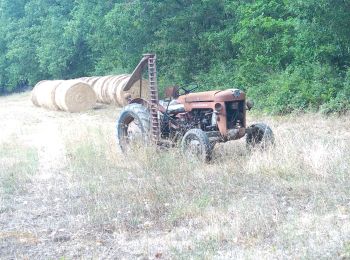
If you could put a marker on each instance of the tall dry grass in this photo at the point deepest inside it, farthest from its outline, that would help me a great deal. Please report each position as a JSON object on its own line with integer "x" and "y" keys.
{"x": 18, "y": 163}
{"x": 66, "y": 192}
{"x": 290, "y": 201}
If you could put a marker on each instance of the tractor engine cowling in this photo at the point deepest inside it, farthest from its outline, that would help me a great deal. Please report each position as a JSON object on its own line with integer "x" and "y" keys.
{"x": 227, "y": 108}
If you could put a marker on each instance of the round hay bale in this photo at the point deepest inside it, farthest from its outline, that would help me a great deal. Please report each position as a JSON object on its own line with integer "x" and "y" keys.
{"x": 120, "y": 93}
{"x": 105, "y": 88}
{"x": 75, "y": 96}
{"x": 133, "y": 92}
{"x": 45, "y": 94}
{"x": 112, "y": 86}
{"x": 98, "y": 87}
{"x": 92, "y": 80}
{"x": 33, "y": 93}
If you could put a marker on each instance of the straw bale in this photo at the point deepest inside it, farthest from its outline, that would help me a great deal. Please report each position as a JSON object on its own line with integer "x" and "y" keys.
{"x": 45, "y": 94}
{"x": 75, "y": 96}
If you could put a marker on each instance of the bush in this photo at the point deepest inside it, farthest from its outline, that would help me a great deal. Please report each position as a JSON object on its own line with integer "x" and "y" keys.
{"x": 220, "y": 76}
{"x": 341, "y": 103}
{"x": 306, "y": 87}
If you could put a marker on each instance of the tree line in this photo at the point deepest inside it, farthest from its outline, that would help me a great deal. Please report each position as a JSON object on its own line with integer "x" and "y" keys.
{"x": 287, "y": 54}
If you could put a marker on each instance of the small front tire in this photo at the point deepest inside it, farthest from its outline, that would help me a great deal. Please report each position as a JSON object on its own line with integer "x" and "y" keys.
{"x": 196, "y": 144}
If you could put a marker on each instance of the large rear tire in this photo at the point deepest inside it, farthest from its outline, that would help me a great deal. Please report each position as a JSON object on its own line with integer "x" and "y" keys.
{"x": 260, "y": 136}
{"x": 133, "y": 127}
{"x": 196, "y": 145}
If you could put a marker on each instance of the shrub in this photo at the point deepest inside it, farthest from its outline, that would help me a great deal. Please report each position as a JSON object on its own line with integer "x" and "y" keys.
{"x": 301, "y": 88}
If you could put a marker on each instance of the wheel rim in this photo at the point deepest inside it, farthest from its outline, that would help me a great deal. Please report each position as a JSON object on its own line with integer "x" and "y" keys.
{"x": 193, "y": 148}
{"x": 131, "y": 134}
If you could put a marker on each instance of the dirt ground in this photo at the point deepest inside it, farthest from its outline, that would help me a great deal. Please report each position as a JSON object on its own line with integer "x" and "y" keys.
{"x": 67, "y": 193}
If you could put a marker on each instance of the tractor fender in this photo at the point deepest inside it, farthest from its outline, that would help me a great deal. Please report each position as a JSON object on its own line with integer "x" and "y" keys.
{"x": 145, "y": 103}
{"x": 139, "y": 101}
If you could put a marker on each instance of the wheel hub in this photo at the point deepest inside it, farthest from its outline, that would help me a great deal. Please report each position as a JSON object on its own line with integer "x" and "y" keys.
{"x": 133, "y": 131}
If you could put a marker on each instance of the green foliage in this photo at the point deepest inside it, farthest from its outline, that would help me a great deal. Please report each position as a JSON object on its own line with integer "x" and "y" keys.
{"x": 341, "y": 102}
{"x": 289, "y": 55}
{"x": 304, "y": 87}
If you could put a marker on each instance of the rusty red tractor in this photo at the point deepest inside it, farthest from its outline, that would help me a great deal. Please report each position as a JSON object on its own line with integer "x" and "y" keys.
{"x": 193, "y": 121}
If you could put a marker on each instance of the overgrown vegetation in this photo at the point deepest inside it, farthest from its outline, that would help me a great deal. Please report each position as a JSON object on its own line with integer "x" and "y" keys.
{"x": 289, "y": 201}
{"x": 67, "y": 193}
{"x": 18, "y": 163}
{"x": 288, "y": 55}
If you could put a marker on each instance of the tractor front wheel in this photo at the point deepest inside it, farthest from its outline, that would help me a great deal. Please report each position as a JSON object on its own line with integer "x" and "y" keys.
{"x": 133, "y": 127}
{"x": 195, "y": 145}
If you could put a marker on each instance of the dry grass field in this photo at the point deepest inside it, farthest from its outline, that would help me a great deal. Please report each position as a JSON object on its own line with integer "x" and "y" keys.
{"x": 67, "y": 193}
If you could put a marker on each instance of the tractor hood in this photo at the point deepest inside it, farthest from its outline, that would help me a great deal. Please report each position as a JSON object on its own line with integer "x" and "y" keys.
{"x": 213, "y": 96}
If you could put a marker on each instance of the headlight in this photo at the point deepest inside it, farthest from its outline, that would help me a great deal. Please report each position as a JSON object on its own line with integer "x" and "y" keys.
{"x": 218, "y": 107}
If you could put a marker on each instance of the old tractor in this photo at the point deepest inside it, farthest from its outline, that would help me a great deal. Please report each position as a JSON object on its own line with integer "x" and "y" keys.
{"x": 193, "y": 121}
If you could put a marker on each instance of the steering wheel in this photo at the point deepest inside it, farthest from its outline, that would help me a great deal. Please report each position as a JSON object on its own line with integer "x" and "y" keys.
{"x": 187, "y": 91}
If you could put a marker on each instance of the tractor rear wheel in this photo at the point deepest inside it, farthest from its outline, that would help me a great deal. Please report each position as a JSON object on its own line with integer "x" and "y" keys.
{"x": 195, "y": 145}
{"x": 133, "y": 127}
{"x": 259, "y": 135}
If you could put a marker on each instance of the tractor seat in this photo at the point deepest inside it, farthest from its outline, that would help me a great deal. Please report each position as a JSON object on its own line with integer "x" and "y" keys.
{"x": 173, "y": 108}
